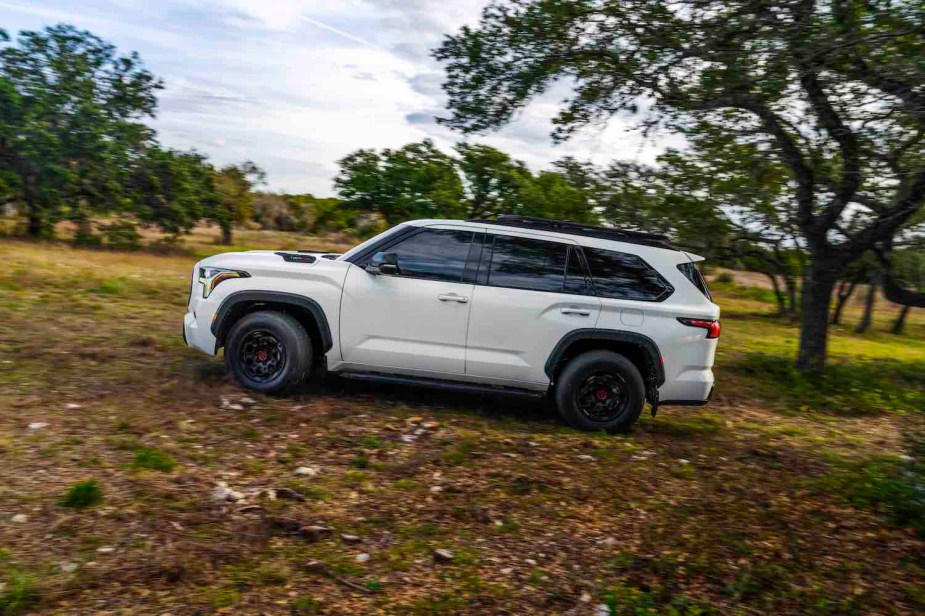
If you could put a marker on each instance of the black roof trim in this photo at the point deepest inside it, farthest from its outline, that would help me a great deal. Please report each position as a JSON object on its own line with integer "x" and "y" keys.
{"x": 574, "y": 228}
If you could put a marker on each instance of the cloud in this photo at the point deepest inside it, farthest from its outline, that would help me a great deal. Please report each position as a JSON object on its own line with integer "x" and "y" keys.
{"x": 419, "y": 117}
{"x": 295, "y": 85}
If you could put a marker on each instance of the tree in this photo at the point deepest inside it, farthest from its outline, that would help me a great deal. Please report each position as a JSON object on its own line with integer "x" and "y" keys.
{"x": 172, "y": 189}
{"x": 420, "y": 181}
{"x": 234, "y": 184}
{"x": 416, "y": 181}
{"x": 493, "y": 183}
{"x": 831, "y": 91}
{"x": 71, "y": 118}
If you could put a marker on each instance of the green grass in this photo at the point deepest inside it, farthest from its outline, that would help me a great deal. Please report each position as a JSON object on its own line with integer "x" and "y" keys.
{"x": 306, "y": 606}
{"x": 459, "y": 453}
{"x": 894, "y": 488}
{"x": 19, "y": 593}
{"x": 625, "y": 600}
{"x": 856, "y": 388}
{"x": 83, "y": 495}
{"x": 149, "y": 458}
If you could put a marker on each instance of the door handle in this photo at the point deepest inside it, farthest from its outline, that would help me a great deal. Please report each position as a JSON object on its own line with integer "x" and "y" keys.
{"x": 579, "y": 311}
{"x": 452, "y": 297}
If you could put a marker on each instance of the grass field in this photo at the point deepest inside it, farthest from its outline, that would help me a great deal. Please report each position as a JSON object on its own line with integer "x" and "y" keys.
{"x": 782, "y": 496}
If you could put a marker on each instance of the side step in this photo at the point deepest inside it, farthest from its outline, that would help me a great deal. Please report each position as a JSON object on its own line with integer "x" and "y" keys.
{"x": 414, "y": 381}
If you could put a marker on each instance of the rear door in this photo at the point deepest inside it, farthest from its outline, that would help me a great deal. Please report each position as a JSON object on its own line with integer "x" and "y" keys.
{"x": 531, "y": 292}
{"x": 415, "y": 320}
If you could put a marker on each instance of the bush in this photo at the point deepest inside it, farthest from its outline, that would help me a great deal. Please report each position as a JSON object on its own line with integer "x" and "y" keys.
{"x": 153, "y": 459}
{"x": 83, "y": 495}
{"x": 275, "y": 212}
{"x": 725, "y": 278}
{"x": 122, "y": 235}
{"x": 87, "y": 239}
{"x": 332, "y": 215}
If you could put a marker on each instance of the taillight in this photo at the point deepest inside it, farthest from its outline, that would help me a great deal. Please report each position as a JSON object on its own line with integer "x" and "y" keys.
{"x": 712, "y": 327}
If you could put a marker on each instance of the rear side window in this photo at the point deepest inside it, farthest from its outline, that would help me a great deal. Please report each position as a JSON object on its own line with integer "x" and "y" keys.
{"x": 433, "y": 254}
{"x": 619, "y": 275}
{"x": 523, "y": 263}
{"x": 693, "y": 274}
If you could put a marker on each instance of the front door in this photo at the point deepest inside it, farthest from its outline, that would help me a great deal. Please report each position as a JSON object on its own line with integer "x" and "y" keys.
{"x": 413, "y": 318}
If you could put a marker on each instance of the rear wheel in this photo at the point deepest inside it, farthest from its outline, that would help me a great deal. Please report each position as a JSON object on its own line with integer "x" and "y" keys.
{"x": 269, "y": 352}
{"x": 600, "y": 390}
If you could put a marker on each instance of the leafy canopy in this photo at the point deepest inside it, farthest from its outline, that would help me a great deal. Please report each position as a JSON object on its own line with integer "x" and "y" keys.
{"x": 72, "y": 120}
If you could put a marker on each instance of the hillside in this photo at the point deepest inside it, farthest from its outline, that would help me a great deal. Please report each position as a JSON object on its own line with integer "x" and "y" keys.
{"x": 782, "y": 496}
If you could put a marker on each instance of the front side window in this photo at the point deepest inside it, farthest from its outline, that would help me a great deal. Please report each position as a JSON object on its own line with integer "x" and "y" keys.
{"x": 433, "y": 254}
{"x": 524, "y": 263}
{"x": 619, "y": 275}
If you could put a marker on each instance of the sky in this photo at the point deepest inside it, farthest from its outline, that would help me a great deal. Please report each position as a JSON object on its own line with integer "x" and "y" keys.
{"x": 295, "y": 85}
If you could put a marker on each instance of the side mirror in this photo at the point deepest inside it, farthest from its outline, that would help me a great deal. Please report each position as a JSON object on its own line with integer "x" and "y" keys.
{"x": 385, "y": 263}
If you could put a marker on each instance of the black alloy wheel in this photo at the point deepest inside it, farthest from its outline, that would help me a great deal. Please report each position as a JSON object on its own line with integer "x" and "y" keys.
{"x": 263, "y": 357}
{"x": 602, "y": 397}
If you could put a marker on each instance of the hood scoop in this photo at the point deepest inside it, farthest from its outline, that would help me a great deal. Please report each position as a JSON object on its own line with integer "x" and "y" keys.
{"x": 295, "y": 257}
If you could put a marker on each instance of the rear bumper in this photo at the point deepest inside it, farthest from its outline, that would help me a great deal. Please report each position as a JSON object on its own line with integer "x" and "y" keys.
{"x": 690, "y": 388}
{"x": 688, "y": 402}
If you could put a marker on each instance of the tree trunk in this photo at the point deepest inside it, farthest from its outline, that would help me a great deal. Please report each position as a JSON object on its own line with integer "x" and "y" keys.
{"x": 900, "y": 323}
{"x": 814, "y": 325}
{"x": 868, "y": 317}
{"x": 778, "y": 294}
{"x": 791, "y": 284}
{"x": 226, "y": 234}
{"x": 845, "y": 291}
{"x": 842, "y": 293}
{"x": 36, "y": 226}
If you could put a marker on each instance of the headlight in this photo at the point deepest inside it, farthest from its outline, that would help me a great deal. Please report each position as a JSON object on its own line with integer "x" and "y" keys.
{"x": 210, "y": 277}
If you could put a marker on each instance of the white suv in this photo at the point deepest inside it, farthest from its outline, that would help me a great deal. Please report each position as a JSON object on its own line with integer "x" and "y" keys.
{"x": 603, "y": 320}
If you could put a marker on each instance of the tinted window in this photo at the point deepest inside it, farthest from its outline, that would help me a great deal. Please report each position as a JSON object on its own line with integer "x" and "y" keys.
{"x": 433, "y": 254}
{"x": 576, "y": 280}
{"x": 693, "y": 274}
{"x": 523, "y": 263}
{"x": 625, "y": 276}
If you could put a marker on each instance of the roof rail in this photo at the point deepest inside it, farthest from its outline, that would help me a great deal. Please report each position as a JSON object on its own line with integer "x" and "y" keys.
{"x": 574, "y": 228}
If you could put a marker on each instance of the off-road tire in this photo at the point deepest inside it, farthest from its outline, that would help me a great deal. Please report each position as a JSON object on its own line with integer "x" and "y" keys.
{"x": 613, "y": 370}
{"x": 269, "y": 352}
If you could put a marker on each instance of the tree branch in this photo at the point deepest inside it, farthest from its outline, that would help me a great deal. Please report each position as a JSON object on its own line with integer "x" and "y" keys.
{"x": 847, "y": 142}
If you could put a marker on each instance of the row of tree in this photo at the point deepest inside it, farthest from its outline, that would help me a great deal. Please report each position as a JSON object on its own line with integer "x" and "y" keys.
{"x": 721, "y": 205}
{"x": 74, "y": 145}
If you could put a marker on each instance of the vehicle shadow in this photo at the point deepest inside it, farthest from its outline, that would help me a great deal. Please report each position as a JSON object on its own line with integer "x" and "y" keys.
{"x": 487, "y": 405}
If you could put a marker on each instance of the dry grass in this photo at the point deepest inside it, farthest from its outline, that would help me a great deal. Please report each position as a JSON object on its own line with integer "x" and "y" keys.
{"x": 726, "y": 509}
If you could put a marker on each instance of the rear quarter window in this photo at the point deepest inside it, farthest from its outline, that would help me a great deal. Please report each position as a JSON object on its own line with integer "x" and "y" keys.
{"x": 621, "y": 275}
{"x": 693, "y": 274}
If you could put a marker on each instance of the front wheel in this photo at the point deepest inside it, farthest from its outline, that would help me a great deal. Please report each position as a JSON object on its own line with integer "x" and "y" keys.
{"x": 600, "y": 390}
{"x": 269, "y": 352}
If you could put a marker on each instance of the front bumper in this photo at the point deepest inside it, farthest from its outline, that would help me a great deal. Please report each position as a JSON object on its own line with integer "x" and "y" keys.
{"x": 197, "y": 336}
